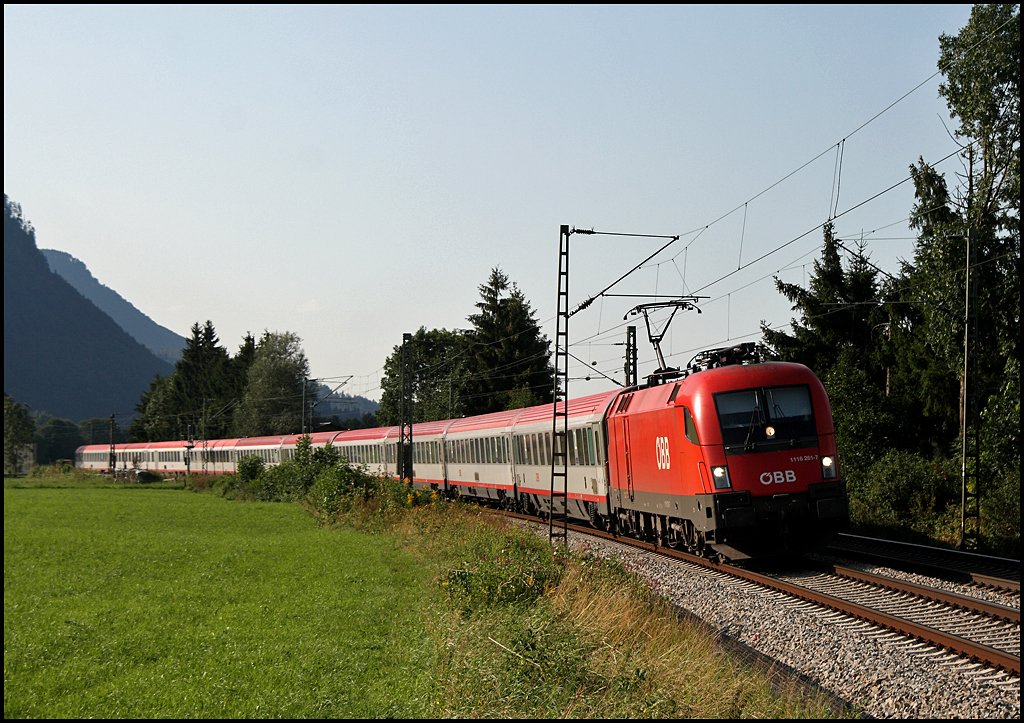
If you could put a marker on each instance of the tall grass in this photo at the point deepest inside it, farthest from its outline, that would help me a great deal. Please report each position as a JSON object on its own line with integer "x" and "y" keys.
{"x": 541, "y": 634}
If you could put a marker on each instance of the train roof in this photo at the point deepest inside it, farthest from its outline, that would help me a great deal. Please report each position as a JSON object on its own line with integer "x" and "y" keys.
{"x": 699, "y": 387}
{"x": 748, "y": 376}
{"x": 588, "y": 408}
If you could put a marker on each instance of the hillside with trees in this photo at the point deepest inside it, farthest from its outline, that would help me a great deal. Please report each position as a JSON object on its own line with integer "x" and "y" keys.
{"x": 163, "y": 342}
{"x": 63, "y": 355}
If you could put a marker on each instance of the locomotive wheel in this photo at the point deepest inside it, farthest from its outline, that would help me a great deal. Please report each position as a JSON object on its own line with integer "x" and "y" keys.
{"x": 675, "y": 538}
{"x": 691, "y": 540}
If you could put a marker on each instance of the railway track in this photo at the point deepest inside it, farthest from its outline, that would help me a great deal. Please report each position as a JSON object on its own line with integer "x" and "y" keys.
{"x": 973, "y": 629}
{"x": 998, "y": 573}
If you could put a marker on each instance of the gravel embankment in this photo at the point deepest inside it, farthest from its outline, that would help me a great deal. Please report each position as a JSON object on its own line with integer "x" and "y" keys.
{"x": 884, "y": 674}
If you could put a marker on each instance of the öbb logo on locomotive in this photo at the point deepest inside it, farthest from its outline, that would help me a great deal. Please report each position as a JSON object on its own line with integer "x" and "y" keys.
{"x": 778, "y": 477}
{"x": 662, "y": 453}
{"x": 723, "y": 439}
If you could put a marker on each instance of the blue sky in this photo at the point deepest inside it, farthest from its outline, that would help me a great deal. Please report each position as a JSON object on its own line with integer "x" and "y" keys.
{"x": 350, "y": 173}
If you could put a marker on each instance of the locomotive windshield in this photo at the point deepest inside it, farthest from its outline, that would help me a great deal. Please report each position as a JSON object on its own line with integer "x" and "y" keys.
{"x": 766, "y": 419}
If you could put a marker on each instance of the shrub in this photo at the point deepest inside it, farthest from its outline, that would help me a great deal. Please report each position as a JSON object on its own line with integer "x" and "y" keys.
{"x": 336, "y": 487}
{"x": 909, "y": 496}
{"x": 249, "y": 468}
{"x": 280, "y": 483}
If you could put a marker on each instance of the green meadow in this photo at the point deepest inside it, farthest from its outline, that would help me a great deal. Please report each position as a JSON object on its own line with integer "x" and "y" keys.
{"x": 141, "y": 603}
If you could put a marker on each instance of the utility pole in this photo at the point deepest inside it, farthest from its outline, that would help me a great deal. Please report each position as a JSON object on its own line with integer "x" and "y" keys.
{"x": 112, "y": 461}
{"x": 189, "y": 444}
{"x": 558, "y": 512}
{"x": 970, "y": 502}
{"x": 559, "y": 413}
{"x": 630, "y": 368}
{"x": 405, "y": 456}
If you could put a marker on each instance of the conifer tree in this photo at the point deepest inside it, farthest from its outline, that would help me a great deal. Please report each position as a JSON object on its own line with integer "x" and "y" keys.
{"x": 511, "y": 357}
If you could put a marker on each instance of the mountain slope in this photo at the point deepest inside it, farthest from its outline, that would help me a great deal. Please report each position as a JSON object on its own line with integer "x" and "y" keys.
{"x": 62, "y": 355}
{"x": 161, "y": 341}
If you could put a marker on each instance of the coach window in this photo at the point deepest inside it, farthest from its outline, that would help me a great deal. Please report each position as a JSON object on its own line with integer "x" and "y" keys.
{"x": 689, "y": 427}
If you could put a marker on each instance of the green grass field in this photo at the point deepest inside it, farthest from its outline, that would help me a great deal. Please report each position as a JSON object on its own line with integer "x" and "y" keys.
{"x": 139, "y": 602}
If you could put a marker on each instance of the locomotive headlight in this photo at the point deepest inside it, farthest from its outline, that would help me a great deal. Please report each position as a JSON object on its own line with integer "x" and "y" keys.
{"x": 828, "y": 467}
{"x": 721, "y": 475}
{"x": 769, "y": 432}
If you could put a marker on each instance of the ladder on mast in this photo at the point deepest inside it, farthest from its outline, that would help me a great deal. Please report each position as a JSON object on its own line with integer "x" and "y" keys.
{"x": 558, "y": 502}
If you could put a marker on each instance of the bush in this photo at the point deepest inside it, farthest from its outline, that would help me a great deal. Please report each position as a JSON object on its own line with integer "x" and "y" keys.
{"x": 335, "y": 488}
{"x": 908, "y": 496}
{"x": 60, "y": 469}
{"x": 281, "y": 483}
{"x": 249, "y": 468}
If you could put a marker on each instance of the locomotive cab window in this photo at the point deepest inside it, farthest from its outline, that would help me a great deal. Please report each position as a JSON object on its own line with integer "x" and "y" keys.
{"x": 689, "y": 427}
{"x": 766, "y": 419}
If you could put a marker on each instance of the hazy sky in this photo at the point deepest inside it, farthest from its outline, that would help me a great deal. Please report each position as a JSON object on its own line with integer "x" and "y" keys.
{"x": 350, "y": 173}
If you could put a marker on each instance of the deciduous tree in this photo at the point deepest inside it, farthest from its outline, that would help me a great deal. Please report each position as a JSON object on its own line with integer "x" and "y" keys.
{"x": 19, "y": 430}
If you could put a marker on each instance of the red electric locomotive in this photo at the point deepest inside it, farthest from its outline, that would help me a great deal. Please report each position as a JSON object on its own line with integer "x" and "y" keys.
{"x": 737, "y": 460}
